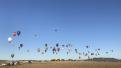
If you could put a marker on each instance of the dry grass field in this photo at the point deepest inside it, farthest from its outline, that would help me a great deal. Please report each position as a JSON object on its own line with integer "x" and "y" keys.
{"x": 68, "y": 64}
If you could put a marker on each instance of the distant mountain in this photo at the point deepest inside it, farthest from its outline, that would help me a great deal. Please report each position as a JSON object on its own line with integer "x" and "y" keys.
{"x": 104, "y": 59}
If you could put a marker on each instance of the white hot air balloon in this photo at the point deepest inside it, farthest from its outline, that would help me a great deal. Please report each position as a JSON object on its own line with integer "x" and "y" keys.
{"x": 10, "y": 39}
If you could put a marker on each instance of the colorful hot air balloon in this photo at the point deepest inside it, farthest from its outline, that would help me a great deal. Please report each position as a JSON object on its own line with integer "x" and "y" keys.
{"x": 14, "y": 34}
{"x": 10, "y": 39}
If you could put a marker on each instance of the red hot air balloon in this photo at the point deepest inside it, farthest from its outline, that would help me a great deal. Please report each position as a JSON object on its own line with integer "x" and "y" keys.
{"x": 14, "y": 34}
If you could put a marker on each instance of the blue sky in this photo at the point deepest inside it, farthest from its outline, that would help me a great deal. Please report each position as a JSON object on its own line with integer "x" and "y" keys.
{"x": 80, "y": 22}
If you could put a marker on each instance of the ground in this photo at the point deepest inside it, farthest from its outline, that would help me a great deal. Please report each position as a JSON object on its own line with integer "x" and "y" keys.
{"x": 69, "y": 64}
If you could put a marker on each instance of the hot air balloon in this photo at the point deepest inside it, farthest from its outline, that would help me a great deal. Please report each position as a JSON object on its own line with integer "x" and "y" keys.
{"x": 87, "y": 46}
{"x": 57, "y": 45}
{"x": 21, "y": 45}
{"x": 18, "y": 33}
{"x": 46, "y": 49}
{"x": 46, "y": 45}
{"x": 86, "y": 54}
{"x": 10, "y": 39}
{"x": 35, "y": 35}
{"x": 56, "y": 30}
{"x": 76, "y": 51}
{"x": 54, "y": 50}
{"x": 98, "y": 53}
{"x": 51, "y": 47}
{"x": 58, "y": 49}
{"x": 19, "y": 48}
{"x": 98, "y": 49}
{"x": 67, "y": 53}
{"x": 88, "y": 51}
{"x": 28, "y": 50}
{"x": 83, "y": 53}
{"x": 42, "y": 52}
{"x": 67, "y": 46}
{"x": 12, "y": 55}
{"x": 63, "y": 45}
{"x": 112, "y": 51}
{"x": 92, "y": 53}
{"x": 88, "y": 57}
{"x": 79, "y": 57}
{"x": 14, "y": 33}
{"x": 38, "y": 50}
{"x": 69, "y": 50}
{"x": 106, "y": 52}
{"x": 79, "y": 53}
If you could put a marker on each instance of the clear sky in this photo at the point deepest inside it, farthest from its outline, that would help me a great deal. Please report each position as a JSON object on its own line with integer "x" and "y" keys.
{"x": 80, "y": 22}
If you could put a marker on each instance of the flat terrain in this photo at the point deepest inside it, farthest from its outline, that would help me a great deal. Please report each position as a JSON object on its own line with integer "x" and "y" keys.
{"x": 68, "y": 64}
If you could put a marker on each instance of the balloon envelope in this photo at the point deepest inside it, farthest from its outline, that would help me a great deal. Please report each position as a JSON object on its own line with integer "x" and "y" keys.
{"x": 18, "y": 33}
{"x": 12, "y": 55}
{"x": 21, "y": 45}
{"x": 38, "y": 50}
{"x": 57, "y": 45}
{"x": 14, "y": 33}
{"x": 46, "y": 45}
{"x": 87, "y": 46}
{"x": 10, "y": 39}
{"x": 56, "y": 30}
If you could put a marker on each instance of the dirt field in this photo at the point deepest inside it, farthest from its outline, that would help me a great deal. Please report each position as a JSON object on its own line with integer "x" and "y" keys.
{"x": 65, "y": 64}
